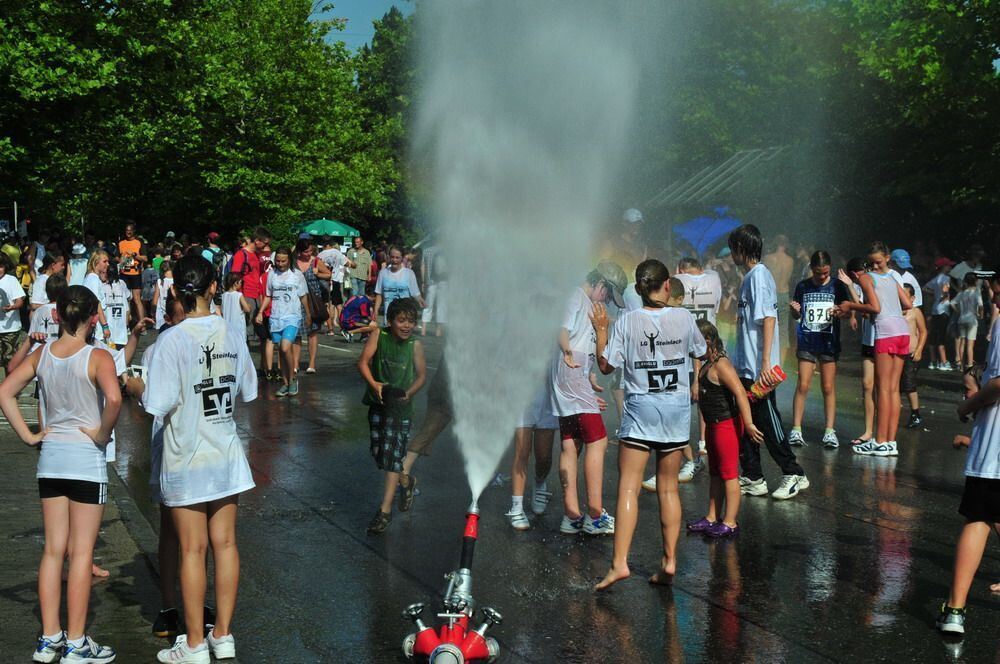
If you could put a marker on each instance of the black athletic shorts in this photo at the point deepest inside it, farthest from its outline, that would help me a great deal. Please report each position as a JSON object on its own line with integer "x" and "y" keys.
{"x": 868, "y": 351}
{"x": 336, "y": 293}
{"x": 908, "y": 379}
{"x": 79, "y": 491}
{"x": 132, "y": 281}
{"x": 981, "y": 500}
{"x": 939, "y": 329}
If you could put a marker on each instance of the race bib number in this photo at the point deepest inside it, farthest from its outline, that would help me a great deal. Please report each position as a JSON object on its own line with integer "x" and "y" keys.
{"x": 817, "y": 316}
{"x": 699, "y": 314}
{"x": 661, "y": 380}
{"x": 116, "y": 311}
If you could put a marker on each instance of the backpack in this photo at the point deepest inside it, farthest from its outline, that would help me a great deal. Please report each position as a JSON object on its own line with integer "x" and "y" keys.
{"x": 228, "y": 267}
{"x": 219, "y": 261}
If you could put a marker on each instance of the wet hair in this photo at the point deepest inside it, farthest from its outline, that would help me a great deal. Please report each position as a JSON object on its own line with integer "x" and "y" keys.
{"x": 650, "y": 275}
{"x": 970, "y": 279}
{"x": 820, "y": 259}
{"x": 878, "y": 247}
{"x": 54, "y": 287}
{"x": 193, "y": 275}
{"x": 712, "y": 338}
{"x": 909, "y": 289}
{"x": 76, "y": 305}
{"x": 689, "y": 262}
{"x": 856, "y": 265}
{"x": 113, "y": 272}
{"x": 51, "y": 258}
{"x": 232, "y": 279}
{"x": 287, "y": 252}
{"x": 262, "y": 234}
{"x": 165, "y": 265}
{"x": 302, "y": 245}
{"x": 746, "y": 242}
{"x": 394, "y": 247}
{"x": 404, "y": 306}
{"x": 675, "y": 288}
{"x": 95, "y": 257}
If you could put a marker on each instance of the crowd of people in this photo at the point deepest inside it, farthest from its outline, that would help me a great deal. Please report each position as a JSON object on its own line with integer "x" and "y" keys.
{"x": 713, "y": 333}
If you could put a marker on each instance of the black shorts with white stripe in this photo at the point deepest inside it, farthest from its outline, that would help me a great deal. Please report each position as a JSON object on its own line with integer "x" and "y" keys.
{"x": 79, "y": 491}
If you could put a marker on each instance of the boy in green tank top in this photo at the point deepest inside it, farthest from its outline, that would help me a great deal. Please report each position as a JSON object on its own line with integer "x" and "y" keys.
{"x": 392, "y": 364}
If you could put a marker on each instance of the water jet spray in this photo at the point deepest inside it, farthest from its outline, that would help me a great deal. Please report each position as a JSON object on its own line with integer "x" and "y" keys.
{"x": 454, "y": 643}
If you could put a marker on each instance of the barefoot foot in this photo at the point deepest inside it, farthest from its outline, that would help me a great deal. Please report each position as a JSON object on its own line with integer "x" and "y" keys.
{"x": 665, "y": 576}
{"x": 995, "y": 588}
{"x": 613, "y": 576}
{"x": 99, "y": 572}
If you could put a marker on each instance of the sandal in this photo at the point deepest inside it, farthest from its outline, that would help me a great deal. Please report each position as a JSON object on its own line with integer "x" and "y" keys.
{"x": 379, "y": 522}
{"x": 407, "y": 484}
{"x": 859, "y": 441}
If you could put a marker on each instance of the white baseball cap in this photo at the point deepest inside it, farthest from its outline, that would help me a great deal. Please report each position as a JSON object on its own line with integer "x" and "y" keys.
{"x": 632, "y": 216}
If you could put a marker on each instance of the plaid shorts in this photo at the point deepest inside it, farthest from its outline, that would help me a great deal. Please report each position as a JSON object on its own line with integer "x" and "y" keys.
{"x": 390, "y": 434}
{"x": 9, "y": 341}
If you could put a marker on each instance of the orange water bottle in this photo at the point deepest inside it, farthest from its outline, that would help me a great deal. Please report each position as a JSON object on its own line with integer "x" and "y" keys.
{"x": 764, "y": 386}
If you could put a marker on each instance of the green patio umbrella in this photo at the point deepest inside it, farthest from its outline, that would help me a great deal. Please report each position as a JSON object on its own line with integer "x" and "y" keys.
{"x": 329, "y": 227}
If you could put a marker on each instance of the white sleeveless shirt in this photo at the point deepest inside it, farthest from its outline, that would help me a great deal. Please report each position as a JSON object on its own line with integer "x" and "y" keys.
{"x": 889, "y": 322}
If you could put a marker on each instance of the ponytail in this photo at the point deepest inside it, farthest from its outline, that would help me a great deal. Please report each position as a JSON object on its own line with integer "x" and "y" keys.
{"x": 650, "y": 275}
{"x": 193, "y": 276}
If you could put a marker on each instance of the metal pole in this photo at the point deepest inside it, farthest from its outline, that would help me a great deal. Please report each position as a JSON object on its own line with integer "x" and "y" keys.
{"x": 15, "y": 219}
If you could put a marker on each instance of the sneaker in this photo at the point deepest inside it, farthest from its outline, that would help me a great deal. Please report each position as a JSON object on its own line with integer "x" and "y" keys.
{"x": 406, "y": 492}
{"x": 293, "y": 388}
{"x": 650, "y": 484}
{"x": 223, "y": 647}
{"x": 379, "y": 522}
{"x": 699, "y": 526}
{"x": 866, "y": 448}
{"x": 519, "y": 520}
{"x": 571, "y": 526}
{"x": 749, "y": 487}
{"x": 88, "y": 653}
{"x": 795, "y": 438}
{"x": 702, "y": 450}
{"x": 951, "y": 620}
{"x": 48, "y": 650}
{"x": 830, "y": 440}
{"x": 886, "y": 449}
{"x": 540, "y": 500}
{"x": 181, "y": 654}
{"x": 165, "y": 624}
{"x": 790, "y": 487}
{"x": 274, "y": 376}
{"x": 915, "y": 421}
{"x": 346, "y": 335}
{"x": 932, "y": 366}
{"x": 688, "y": 470}
{"x": 719, "y": 529}
{"x": 945, "y": 367}
{"x": 602, "y": 525}
{"x": 282, "y": 391}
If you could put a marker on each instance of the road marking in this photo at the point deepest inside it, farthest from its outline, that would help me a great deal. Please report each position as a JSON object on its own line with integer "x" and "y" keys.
{"x": 342, "y": 350}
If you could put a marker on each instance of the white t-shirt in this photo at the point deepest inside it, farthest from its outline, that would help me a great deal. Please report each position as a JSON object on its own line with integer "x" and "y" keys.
{"x": 654, "y": 349}
{"x": 937, "y": 285}
{"x": 285, "y": 290}
{"x": 38, "y": 295}
{"x": 42, "y": 321}
{"x": 163, "y": 286}
{"x": 908, "y": 278}
{"x": 395, "y": 285}
{"x": 758, "y": 299}
{"x": 232, "y": 312}
{"x": 10, "y": 290}
{"x": 572, "y": 392}
{"x": 336, "y": 261}
{"x": 983, "y": 457}
{"x": 702, "y": 294}
{"x": 967, "y": 303}
{"x": 194, "y": 378}
{"x": 116, "y": 297}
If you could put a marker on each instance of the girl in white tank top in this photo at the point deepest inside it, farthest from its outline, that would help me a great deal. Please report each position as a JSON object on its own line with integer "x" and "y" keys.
{"x": 74, "y": 379}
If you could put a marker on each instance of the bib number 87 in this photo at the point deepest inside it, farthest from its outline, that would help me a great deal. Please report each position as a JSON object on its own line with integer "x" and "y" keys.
{"x": 662, "y": 380}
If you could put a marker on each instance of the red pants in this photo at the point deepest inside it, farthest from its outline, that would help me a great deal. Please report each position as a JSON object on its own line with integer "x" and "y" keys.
{"x": 723, "y": 442}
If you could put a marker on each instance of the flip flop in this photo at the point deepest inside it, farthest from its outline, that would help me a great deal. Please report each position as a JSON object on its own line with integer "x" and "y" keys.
{"x": 860, "y": 441}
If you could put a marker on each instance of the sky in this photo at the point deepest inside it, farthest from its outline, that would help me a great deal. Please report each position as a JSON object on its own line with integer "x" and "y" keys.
{"x": 359, "y": 15}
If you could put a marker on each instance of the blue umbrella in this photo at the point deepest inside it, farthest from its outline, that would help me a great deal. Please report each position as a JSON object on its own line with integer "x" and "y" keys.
{"x": 702, "y": 232}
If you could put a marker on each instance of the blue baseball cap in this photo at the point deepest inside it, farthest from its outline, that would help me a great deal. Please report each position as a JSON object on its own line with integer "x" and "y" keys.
{"x": 901, "y": 257}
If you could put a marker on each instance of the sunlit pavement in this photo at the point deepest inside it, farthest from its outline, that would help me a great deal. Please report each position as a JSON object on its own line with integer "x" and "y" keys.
{"x": 853, "y": 569}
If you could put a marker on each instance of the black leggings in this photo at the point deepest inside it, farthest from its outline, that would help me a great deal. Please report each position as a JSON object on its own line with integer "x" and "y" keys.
{"x": 767, "y": 418}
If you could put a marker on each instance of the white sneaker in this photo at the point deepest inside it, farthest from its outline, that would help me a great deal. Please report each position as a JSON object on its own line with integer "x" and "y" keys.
{"x": 945, "y": 367}
{"x": 790, "y": 487}
{"x": 866, "y": 448}
{"x": 933, "y": 366}
{"x": 830, "y": 440}
{"x": 602, "y": 525}
{"x": 886, "y": 449}
{"x": 650, "y": 484}
{"x": 795, "y": 438}
{"x": 688, "y": 470}
{"x": 519, "y": 520}
{"x": 749, "y": 487}
{"x": 701, "y": 448}
{"x": 540, "y": 500}
{"x": 48, "y": 651}
{"x": 181, "y": 654}
{"x": 223, "y": 647}
{"x": 571, "y": 526}
{"x": 89, "y": 653}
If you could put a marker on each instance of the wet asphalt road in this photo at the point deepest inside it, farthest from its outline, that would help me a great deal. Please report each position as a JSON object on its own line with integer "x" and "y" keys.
{"x": 853, "y": 569}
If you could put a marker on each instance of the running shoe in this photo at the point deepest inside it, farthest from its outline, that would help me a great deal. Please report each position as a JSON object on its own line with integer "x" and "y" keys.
{"x": 346, "y": 335}
{"x": 749, "y": 487}
{"x": 379, "y": 522}
{"x": 830, "y": 440}
{"x": 915, "y": 421}
{"x": 88, "y": 653}
{"x": 602, "y": 525}
{"x": 406, "y": 492}
{"x": 945, "y": 367}
{"x": 293, "y": 388}
{"x": 688, "y": 470}
{"x": 933, "y": 366}
{"x": 166, "y": 623}
{"x": 540, "y": 500}
{"x": 519, "y": 520}
{"x": 223, "y": 647}
{"x": 867, "y": 448}
{"x": 650, "y": 484}
{"x": 951, "y": 620}
{"x": 795, "y": 438}
{"x": 49, "y": 650}
{"x": 790, "y": 487}
{"x": 180, "y": 653}
{"x": 571, "y": 526}
{"x": 719, "y": 529}
{"x": 282, "y": 391}
{"x": 699, "y": 526}
{"x": 886, "y": 449}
